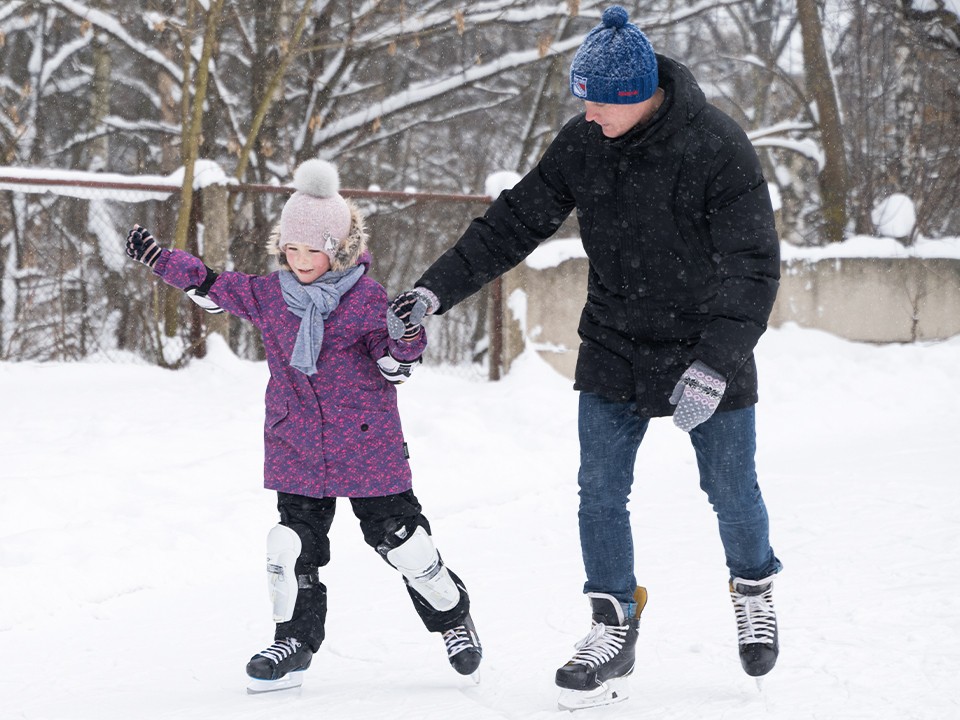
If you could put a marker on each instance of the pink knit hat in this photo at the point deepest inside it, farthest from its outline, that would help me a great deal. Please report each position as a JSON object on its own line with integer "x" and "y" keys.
{"x": 315, "y": 215}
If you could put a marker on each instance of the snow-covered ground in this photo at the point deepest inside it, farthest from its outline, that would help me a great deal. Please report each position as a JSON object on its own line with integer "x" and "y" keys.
{"x": 132, "y": 527}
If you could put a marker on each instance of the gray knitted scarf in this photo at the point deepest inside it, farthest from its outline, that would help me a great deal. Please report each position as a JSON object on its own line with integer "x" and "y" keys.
{"x": 313, "y": 303}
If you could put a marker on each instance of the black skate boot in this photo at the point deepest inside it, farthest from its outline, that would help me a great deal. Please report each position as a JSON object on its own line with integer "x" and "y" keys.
{"x": 278, "y": 667}
{"x": 756, "y": 624}
{"x": 596, "y": 674}
{"x": 463, "y": 647}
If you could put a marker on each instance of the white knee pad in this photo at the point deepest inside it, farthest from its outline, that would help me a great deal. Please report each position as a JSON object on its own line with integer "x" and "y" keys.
{"x": 283, "y": 549}
{"x": 417, "y": 559}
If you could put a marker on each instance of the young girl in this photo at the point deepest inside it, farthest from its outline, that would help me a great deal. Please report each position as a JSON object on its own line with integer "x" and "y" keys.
{"x": 332, "y": 425}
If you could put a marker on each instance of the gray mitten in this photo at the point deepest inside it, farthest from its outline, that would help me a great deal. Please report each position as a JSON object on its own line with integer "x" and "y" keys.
{"x": 697, "y": 395}
{"x": 406, "y": 312}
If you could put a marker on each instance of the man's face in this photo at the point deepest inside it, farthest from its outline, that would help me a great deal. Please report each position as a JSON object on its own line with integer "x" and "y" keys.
{"x": 615, "y": 120}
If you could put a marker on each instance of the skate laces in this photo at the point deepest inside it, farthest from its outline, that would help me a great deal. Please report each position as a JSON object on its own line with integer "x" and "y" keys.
{"x": 281, "y": 650}
{"x": 602, "y": 643}
{"x": 457, "y": 640}
{"x": 756, "y": 617}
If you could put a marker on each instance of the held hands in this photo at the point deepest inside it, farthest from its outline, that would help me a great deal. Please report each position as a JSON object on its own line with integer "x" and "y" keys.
{"x": 142, "y": 247}
{"x": 697, "y": 396}
{"x": 406, "y": 312}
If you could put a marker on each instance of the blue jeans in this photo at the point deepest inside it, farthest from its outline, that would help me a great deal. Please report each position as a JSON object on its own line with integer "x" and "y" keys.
{"x": 610, "y": 435}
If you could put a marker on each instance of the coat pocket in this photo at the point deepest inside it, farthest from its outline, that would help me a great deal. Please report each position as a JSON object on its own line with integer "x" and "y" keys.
{"x": 356, "y": 430}
{"x": 276, "y": 412}
{"x": 364, "y": 449}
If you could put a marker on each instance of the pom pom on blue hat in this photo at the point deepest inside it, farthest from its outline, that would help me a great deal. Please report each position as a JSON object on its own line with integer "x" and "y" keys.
{"x": 615, "y": 64}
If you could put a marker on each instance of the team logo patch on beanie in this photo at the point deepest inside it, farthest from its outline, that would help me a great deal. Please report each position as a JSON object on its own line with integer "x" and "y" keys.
{"x": 579, "y": 86}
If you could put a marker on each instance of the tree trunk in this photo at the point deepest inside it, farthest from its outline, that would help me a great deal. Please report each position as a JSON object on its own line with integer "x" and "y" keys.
{"x": 270, "y": 92}
{"x": 191, "y": 140}
{"x": 99, "y": 149}
{"x": 834, "y": 177}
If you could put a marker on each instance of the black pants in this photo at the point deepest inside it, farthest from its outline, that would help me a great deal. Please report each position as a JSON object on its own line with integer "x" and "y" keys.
{"x": 380, "y": 519}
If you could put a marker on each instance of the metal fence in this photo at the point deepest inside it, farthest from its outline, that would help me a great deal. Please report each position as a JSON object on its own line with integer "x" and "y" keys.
{"x": 68, "y": 292}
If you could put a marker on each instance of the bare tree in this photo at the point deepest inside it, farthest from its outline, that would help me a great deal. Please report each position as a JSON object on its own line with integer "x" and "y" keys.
{"x": 430, "y": 96}
{"x": 898, "y": 82}
{"x": 821, "y": 87}
{"x": 191, "y": 136}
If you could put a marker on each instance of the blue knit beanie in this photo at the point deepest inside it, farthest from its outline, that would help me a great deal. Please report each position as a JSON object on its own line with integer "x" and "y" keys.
{"x": 615, "y": 64}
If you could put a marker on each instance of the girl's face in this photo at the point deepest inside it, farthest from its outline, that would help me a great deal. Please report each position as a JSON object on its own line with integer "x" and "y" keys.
{"x": 307, "y": 264}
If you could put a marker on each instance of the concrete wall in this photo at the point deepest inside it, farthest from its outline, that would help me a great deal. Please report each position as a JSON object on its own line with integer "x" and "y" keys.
{"x": 554, "y": 299}
{"x": 873, "y": 299}
{"x": 865, "y": 299}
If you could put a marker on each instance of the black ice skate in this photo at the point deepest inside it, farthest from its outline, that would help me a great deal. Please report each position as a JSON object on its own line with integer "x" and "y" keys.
{"x": 756, "y": 624}
{"x": 463, "y": 648}
{"x": 597, "y": 673}
{"x": 278, "y": 667}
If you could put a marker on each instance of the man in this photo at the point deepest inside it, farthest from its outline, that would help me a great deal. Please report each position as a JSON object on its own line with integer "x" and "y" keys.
{"x": 678, "y": 227}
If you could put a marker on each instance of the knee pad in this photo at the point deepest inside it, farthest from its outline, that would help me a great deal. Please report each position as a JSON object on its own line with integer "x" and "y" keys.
{"x": 419, "y": 562}
{"x": 283, "y": 549}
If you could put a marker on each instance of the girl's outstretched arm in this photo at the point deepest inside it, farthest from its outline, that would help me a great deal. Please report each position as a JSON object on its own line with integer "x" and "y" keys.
{"x": 230, "y": 291}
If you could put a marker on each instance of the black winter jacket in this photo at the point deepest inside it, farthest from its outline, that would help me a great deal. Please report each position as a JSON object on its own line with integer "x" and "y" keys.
{"x": 676, "y": 222}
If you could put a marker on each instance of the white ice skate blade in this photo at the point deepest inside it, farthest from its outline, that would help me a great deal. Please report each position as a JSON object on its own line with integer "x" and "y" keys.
{"x": 613, "y": 691}
{"x": 287, "y": 682}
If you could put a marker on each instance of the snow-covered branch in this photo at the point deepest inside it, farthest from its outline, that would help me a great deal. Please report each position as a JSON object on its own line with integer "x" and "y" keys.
{"x": 422, "y": 92}
{"x": 112, "y": 27}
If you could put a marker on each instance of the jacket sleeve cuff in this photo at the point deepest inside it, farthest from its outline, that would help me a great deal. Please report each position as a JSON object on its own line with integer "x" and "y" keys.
{"x": 429, "y": 297}
{"x": 408, "y": 351}
{"x": 161, "y": 265}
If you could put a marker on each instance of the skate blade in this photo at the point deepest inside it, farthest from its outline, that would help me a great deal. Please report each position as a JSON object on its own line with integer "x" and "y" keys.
{"x": 612, "y": 691}
{"x": 287, "y": 682}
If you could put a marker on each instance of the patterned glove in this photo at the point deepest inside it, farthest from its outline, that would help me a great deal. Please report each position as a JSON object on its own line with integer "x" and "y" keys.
{"x": 396, "y": 371}
{"x": 697, "y": 396}
{"x": 142, "y": 247}
{"x": 406, "y": 312}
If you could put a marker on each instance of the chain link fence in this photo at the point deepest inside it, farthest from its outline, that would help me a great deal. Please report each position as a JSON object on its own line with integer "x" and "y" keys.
{"x": 68, "y": 292}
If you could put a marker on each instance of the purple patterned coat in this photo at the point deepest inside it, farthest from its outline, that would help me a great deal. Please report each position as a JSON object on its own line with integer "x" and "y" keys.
{"x": 336, "y": 433}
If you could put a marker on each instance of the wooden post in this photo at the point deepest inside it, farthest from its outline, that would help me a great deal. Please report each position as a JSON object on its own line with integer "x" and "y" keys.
{"x": 196, "y": 331}
{"x": 510, "y": 330}
{"x": 216, "y": 246}
{"x": 496, "y": 328}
